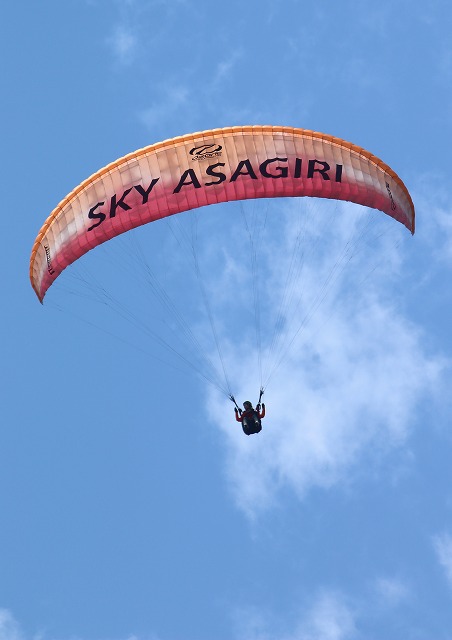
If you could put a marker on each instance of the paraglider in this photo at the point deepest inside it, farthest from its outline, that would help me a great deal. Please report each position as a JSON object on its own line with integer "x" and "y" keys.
{"x": 250, "y": 418}
{"x": 206, "y": 168}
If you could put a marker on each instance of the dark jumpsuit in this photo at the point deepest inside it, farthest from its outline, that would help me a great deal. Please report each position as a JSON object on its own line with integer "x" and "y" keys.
{"x": 251, "y": 419}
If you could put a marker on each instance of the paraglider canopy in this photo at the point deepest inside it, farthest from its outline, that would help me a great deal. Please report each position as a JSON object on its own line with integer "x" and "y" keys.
{"x": 204, "y": 168}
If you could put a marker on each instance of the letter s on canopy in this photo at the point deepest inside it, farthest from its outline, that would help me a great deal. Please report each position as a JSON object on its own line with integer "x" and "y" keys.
{"x": 310, "y": 164}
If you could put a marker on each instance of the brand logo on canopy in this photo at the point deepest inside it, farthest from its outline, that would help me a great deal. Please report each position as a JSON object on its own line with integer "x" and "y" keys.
{"x": 205, "y": 151}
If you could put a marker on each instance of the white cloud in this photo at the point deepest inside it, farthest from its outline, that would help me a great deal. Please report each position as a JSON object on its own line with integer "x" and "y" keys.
{"x": 224, "y": 69}
{"x": 129, "y": 40}
{"x": 443, "y": 218}
{"x": 348, "y": 388}
{"x": 173, "y": 98}
{"x": 9, "y": 628}
{"x": 443, "y": 547}
{"x": 125, "y": 38}
{"x": 124, "y": 43}
{"x": 434, "y": 225}
{"x": 392, "y": 591}
{"x": 328, "y": 618}
{"x": 355, "y": 386}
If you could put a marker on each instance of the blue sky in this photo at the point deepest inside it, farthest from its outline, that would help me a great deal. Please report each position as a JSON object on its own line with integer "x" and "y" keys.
{"x": 132, "y": 506}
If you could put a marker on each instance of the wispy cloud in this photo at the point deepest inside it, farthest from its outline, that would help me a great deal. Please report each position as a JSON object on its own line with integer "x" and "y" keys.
{"x": 124, "y": 43}
{"x": 328, "y": 617}
{"x": 9, "y": 628}
{"x": 129, "y": 41}
{"x": 224, "y": 69}
{"x": 124, "y": 38}
{"x": 392, "y": 591}
{"x": 176, "y": 98}
{"x": 434, "y": 227}
{"x": 442, "y": 544}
